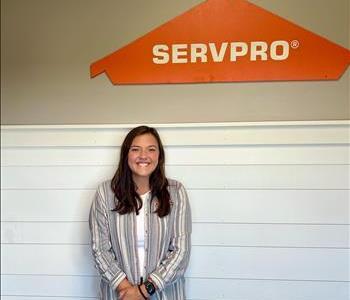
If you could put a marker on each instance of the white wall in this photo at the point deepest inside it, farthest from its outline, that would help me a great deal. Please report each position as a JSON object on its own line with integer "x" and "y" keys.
{"x": 270, "y": 206}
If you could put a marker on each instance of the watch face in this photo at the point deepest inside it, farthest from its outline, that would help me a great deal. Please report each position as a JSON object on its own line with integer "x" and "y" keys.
{"x": 150, "y": 287}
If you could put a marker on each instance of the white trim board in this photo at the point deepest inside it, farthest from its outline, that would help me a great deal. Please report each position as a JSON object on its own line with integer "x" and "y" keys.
{"x": 182, "y": 134}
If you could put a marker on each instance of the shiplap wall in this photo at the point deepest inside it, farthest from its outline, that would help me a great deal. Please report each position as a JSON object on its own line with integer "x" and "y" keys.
{"x": 270, "y": 205}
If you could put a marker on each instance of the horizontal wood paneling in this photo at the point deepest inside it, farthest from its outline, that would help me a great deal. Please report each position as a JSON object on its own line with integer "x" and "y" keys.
{"x": 59, "y": 286}
{"x": 204, "y": 234}
{"x": 225, "y": 206}
{"x": 270, "y": 207}
{"x": 198, "y": 288}
{"x": 266, "y": 289}
{"x": 186, "y": 155}
{"x": 44, "y": 298}
{"x": 55, "y": 205}
{"x": 220, "y": 262}
{"x": 240, "y": 133}
{"x": 200, "y": 177}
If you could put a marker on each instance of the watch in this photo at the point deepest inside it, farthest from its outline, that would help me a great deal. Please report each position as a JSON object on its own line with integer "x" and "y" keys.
{"x": 150, "y": 288}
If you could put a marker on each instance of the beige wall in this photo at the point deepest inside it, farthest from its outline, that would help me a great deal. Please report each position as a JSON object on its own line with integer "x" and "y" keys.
{"x": 48, "y": 45}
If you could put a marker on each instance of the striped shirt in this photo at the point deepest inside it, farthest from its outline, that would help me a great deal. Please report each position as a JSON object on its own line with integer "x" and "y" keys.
{"x": 167, "y": 243}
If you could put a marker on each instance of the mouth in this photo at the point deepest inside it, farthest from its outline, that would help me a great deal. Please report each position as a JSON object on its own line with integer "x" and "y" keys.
{"x": 143, "y": 164}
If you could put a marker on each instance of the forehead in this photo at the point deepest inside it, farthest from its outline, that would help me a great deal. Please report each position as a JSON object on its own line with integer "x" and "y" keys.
{"x": 144, "y": 140}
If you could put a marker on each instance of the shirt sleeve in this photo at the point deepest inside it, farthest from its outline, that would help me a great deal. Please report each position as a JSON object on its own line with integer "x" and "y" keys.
{"x": 103, "y": 254}
{"x": 175, "y": 264}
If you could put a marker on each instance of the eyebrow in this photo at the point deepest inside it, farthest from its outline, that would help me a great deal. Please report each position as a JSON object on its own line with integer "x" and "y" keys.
{"x": 136, "y": 146}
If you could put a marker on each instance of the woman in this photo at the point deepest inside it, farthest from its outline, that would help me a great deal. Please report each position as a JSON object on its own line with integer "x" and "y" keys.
{"x": 140, "y": 225}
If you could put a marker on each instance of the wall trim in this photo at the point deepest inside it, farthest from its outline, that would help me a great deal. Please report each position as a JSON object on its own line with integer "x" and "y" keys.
{"x": 182, "y": 134}
{"x": 181, "y": 125}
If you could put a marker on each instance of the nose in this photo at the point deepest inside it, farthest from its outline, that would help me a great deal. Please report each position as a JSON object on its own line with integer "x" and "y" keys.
{"x": 143, "y": 153}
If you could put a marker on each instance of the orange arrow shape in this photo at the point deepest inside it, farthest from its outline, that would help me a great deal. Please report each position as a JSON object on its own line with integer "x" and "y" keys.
{"x": 225, "y": 41}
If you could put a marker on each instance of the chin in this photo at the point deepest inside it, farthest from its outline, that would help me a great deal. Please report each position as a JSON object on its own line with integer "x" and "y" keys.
{"x": 142, "y": 173}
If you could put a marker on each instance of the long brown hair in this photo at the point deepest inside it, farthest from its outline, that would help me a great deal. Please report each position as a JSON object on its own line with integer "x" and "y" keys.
{"x": 122, "y": 184}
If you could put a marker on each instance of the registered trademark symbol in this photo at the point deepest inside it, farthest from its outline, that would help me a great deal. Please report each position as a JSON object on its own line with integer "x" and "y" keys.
{"x": 294, "y": 44}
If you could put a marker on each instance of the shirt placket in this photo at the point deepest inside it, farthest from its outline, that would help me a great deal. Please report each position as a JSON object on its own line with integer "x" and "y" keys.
{"x": 146, "y": 244}
{"x": 136, "y": 256}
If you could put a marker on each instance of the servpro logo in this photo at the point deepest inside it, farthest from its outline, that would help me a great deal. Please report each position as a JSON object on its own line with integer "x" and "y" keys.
{"x": 225, "y": 41}
{"x": 202, "y": 53}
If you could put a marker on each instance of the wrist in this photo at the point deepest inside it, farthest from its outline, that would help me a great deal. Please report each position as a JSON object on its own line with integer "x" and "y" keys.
{"x": 143, "y": 291}
{"x": 123, "y": 285}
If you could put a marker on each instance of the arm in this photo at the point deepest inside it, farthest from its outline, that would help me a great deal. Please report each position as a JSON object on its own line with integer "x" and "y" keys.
{"x": 175, "y": 263}
{"x": 102, "y": 251}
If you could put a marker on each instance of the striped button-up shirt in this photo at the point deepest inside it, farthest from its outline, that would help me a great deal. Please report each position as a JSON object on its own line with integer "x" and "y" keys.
{"x": 167, "y": 243}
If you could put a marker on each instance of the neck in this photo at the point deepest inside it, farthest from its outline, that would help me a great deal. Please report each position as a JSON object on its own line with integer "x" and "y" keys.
{"x": 142, "y": 184}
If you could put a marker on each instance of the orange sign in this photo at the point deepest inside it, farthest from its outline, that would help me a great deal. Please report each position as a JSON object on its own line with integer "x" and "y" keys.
{"x": 225, "y": 41}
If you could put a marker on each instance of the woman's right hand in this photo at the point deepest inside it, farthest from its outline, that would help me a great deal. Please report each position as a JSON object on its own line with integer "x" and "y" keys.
{"x": 131, "y": 293}
{"x": 122, "y": 287}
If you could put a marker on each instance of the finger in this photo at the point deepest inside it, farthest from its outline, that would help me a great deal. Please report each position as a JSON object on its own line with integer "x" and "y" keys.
{"x": 122, "y": 294}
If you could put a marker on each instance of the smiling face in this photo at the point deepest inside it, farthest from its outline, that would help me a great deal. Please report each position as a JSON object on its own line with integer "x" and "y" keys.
{"x": 143, "y": 156}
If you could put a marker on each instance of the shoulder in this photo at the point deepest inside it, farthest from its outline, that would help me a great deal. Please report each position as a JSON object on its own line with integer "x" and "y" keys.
{"x": 177, "y": 190}
{"x": 174, "y": 184}
{"x": 104, "y": 187}
{"x": 105, "y": 193}
{"x": 178, "y": 197}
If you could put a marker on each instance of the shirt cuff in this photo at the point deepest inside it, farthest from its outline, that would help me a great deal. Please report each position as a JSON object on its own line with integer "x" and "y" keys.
{"x": 117, "y": 280}
{"x": 158, "y": 280}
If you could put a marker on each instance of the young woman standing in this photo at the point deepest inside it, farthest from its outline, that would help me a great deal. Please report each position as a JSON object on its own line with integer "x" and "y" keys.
{"x": 140, "y": 224}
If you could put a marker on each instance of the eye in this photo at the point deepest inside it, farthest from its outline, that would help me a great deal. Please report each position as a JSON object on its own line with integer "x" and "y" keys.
{"x": 134, "y": 149}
